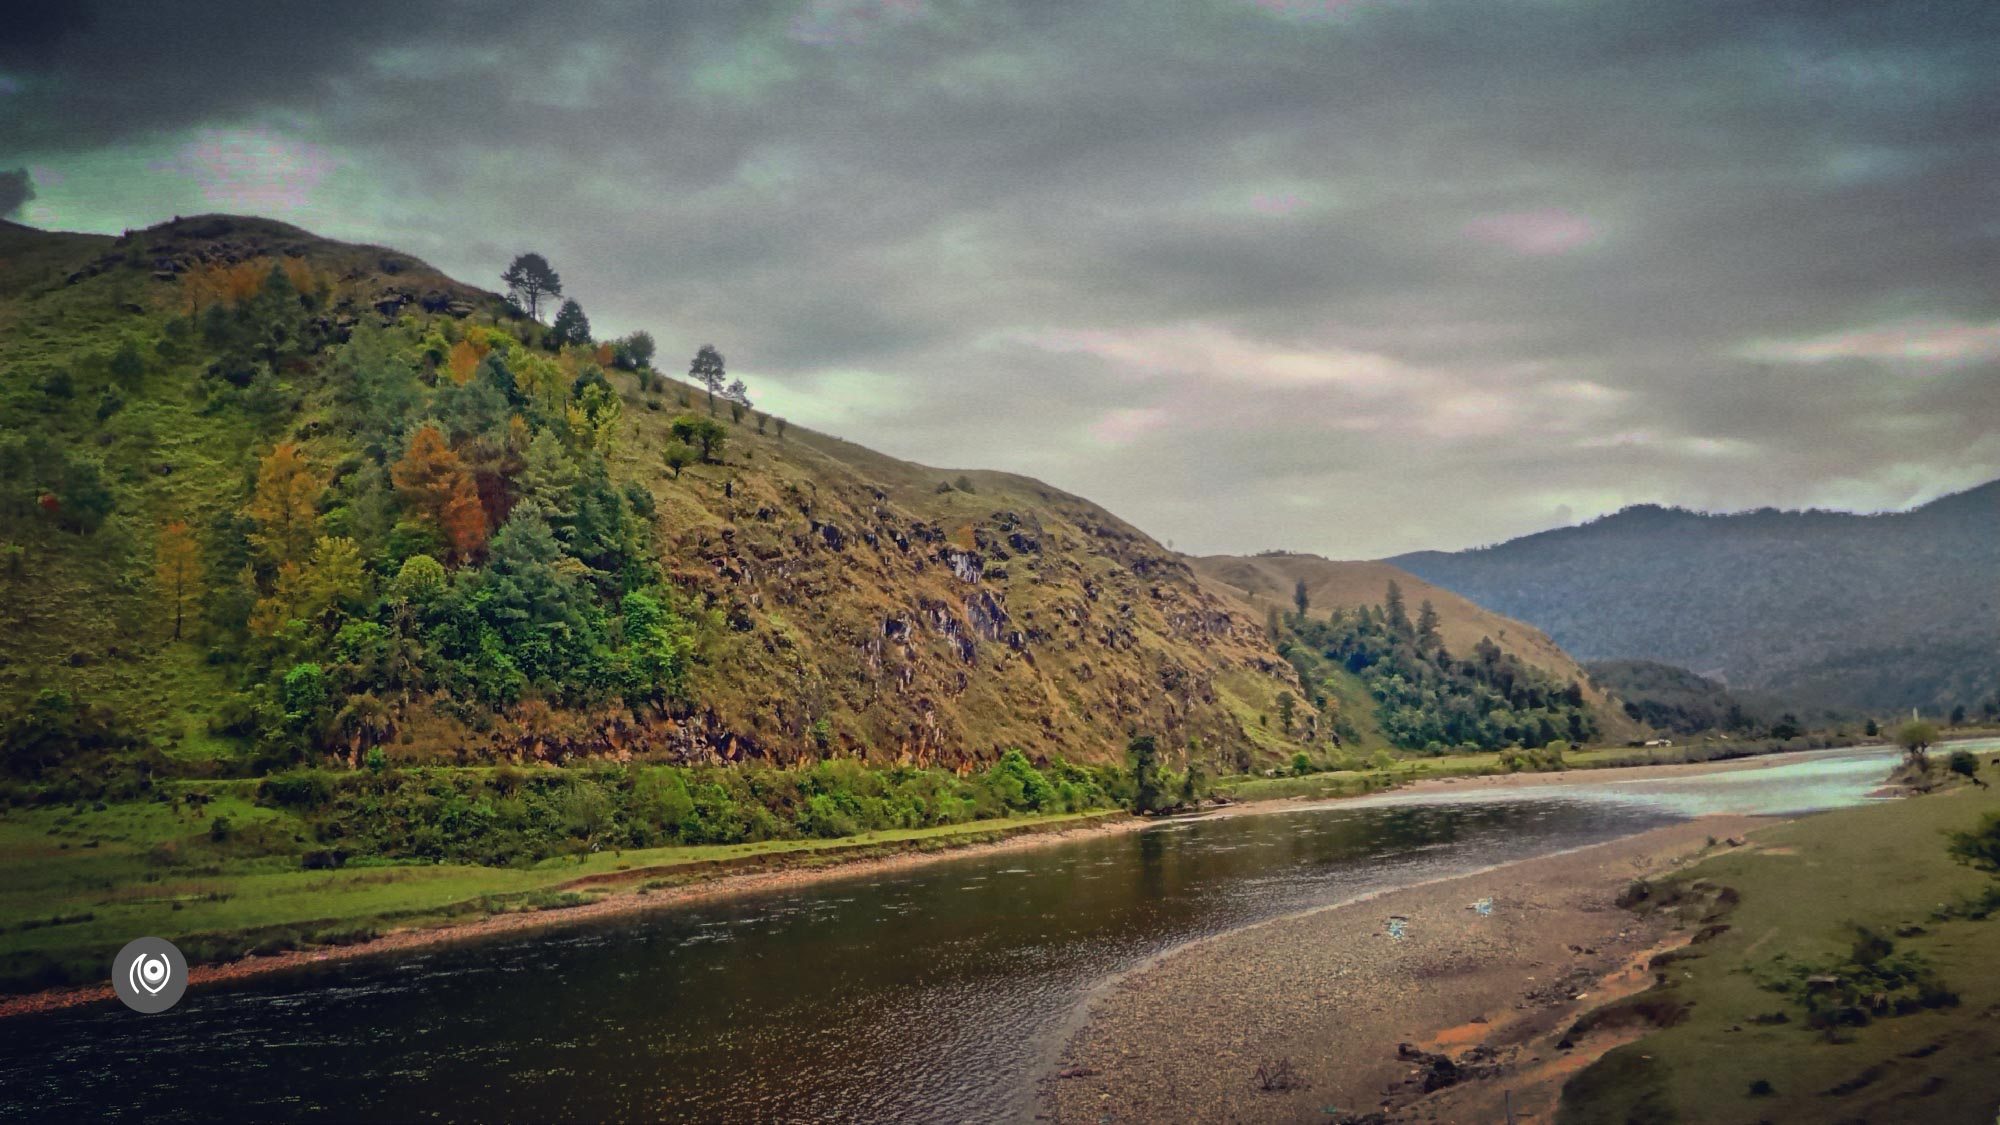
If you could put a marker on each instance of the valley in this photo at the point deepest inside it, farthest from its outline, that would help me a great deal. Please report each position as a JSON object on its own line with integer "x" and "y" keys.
{"x": 364, "y": 636}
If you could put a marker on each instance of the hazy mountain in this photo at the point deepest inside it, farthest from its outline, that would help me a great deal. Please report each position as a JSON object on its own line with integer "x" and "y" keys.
{"x": 1827, "y": 608}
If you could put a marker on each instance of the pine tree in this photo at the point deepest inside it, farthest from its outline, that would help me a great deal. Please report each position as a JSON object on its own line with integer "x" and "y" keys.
{"x": 1427, "y": 626}
{"x": 528, "y": 279}
{"x": 707, "y": 370}
{"x": 1300, "y": 597}
{"x": 549, "y": 476}
{"x": 334, "y": 577}
{"x": 285, "y": 506}
{"x": 177, "y": 569}
{"x": 433, "y": 480}
{"x": 1398, "y": 616}
{"x": 571, "y": 327}
{"x": 463, "y": 519}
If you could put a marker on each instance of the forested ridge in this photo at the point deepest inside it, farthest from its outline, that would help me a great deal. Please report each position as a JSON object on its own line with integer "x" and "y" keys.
{"x": 1828, "y": 609}
{"x": 1430, "y": 699}
{"x": 1676, "y": 699}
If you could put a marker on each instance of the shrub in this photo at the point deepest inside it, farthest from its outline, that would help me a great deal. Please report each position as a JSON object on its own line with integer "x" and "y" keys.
{"x": 827, "y": 818}
{"x": 1874, "y": 980}
{"x": 298, "y": 789}
{"x": 1965, "y": 764}
{"x": 1515, "y": 759}
{"x": 1020, "y": 786}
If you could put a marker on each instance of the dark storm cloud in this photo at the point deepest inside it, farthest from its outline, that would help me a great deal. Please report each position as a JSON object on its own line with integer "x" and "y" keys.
{"x": 16, "y": 189}
{"x": 1347, "y": 275}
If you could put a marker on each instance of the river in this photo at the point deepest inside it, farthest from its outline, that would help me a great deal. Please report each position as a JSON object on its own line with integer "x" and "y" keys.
{"x": 935, "y": 994}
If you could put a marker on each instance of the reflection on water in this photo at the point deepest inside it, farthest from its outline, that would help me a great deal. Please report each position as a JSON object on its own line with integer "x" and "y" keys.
{"x": 933, "y": 994}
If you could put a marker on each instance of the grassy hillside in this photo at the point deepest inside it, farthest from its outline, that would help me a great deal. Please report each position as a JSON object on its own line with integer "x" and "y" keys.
{"x": 1874, "y": 612}
{"x": 818, "y": 599}
{"x": 1264, "y": 582}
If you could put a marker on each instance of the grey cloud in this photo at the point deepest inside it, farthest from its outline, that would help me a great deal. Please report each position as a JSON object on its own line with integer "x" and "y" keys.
{"x": 855, "y": 187}
{"x": 16, "y": 189}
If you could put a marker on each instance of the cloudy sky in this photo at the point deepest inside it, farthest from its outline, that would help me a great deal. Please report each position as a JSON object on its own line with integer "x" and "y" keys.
{"x": 1350, "y": 276}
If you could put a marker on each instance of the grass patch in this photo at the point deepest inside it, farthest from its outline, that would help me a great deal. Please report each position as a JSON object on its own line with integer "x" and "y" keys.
{"x": 1837, "y": 980}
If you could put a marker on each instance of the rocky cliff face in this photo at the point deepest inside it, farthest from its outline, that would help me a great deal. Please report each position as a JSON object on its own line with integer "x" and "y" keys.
{"x": 874, "y": 610}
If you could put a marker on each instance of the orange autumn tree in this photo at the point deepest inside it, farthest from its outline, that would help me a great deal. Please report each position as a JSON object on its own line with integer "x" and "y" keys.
{"x": 463, "y": 361}
{"x": 285, "y": 506}
{"x": 433, "y": 480}
{"x": 224, "y": 283}
{"x": 304, "y": 278}
{"x": 177, "y": 569}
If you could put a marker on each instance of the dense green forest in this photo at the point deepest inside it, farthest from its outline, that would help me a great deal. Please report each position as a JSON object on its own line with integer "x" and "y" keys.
{"x": 1429, "y": 699}
{"x": 1675, "y": 699}
{"x": 462, "y": 542}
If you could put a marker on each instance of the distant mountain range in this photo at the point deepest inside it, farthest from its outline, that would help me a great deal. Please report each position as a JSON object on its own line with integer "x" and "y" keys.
{"x": 1829, "y": 609}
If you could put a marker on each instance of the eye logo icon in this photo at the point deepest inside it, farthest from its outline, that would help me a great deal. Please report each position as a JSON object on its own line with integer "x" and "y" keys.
{"x": 149, "y": 975}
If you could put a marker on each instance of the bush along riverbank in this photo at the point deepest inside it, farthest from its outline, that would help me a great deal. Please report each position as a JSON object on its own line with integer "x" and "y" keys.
{"x": 320, "y": 858}
{"x": 326, "y": 857}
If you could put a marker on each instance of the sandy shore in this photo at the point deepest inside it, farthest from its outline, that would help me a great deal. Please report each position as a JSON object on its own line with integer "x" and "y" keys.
{"x": 628, "y": 900}
{"x": 1333, "y": 993}
{"x": 1618, "y": 773}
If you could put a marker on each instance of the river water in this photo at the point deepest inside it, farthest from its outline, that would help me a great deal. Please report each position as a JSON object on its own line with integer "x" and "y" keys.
{"x": 935, "y": 994}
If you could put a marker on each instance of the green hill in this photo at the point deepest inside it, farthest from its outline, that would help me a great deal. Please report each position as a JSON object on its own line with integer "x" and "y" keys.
{"x": 795, "y": 597}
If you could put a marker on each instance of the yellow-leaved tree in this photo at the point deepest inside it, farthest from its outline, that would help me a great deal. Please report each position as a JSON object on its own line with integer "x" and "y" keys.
{"x": 285, "y": 506}
{"x": 177, "y": 569}
{"x": 310, "y": 591}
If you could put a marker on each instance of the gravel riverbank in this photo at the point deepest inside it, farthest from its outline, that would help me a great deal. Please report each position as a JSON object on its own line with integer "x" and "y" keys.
{"x": 1322, "y": 1001}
